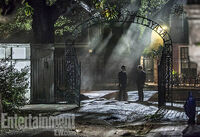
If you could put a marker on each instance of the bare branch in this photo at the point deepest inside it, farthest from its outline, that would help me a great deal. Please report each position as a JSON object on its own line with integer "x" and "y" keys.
{"x": 8, "y": 11}
{"x": 7, "y": 19}
{"x": 61, "y": 7}
{"x": 65, "y": 7}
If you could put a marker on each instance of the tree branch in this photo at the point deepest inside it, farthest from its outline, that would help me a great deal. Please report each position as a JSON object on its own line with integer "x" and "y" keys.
{"x": 8, "y": 11}
{"x": 63, "y": 7}
{"x": 7, "y": 19}
{"x": 36, "y": 3}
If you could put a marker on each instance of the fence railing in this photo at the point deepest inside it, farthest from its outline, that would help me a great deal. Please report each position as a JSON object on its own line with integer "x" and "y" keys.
{"x": 180, "y": 81}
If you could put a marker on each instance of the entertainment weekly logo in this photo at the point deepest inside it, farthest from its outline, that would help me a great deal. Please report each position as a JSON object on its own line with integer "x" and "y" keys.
{"x": 61, "y": 125}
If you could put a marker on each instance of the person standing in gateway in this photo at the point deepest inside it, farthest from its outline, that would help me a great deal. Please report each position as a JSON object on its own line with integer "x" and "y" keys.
{"x": 122, "y": 77}
{"x": 140, "y": 81}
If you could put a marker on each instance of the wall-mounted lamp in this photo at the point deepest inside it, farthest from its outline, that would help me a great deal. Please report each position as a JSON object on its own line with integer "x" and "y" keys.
{"x": 90, "y": 51}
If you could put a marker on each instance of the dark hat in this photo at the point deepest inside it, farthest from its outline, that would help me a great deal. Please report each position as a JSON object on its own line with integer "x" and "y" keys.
{"x": 123, "y": 67}
{"x": 139, "y": 66}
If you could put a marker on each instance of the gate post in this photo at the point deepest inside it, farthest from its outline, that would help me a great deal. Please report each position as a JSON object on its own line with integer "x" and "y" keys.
{"x": 73, "y": 75}
{"x": 161, "y": 89}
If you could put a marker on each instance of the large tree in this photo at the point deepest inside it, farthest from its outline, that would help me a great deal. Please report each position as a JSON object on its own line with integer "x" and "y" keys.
{"x": 46, "y": 13}
{"x": 43, "y": 15}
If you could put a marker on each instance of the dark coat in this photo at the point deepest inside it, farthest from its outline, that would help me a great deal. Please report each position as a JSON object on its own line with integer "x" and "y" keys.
{"x": 141, "y": 78}
{"x": 122, "y": 78}
{"x": 190, "y": 107}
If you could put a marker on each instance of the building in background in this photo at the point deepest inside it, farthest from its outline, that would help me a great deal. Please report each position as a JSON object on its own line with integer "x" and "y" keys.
{"x": 177, "y": 22}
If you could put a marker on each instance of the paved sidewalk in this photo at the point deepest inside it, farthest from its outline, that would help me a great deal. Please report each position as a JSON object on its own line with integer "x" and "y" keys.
{"x": 173, "y": 115}
{"x": 49, "y": 107}
{"x": 168, "y": 131}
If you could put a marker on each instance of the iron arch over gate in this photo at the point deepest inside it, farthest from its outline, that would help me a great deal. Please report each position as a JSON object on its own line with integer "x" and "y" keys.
{"x": 164, "y": 67}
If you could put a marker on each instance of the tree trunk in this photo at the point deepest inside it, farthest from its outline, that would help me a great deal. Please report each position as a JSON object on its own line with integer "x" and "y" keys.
{"x": 42, "y": 54}
{"x": 43, "y": 25}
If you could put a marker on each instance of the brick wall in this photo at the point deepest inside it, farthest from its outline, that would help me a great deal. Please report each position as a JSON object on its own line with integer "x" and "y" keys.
{"x": 176, "y": 57}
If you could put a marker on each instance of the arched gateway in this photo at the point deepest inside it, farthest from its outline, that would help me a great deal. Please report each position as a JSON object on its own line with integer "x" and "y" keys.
{"x": 164, "y": 67}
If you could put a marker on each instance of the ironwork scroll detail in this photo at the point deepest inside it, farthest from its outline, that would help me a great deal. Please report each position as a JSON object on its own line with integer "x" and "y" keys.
{"x": 73, "y": 74}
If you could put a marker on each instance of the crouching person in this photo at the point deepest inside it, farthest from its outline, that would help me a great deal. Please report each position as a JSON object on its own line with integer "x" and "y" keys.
{"x": 190, "y": 109}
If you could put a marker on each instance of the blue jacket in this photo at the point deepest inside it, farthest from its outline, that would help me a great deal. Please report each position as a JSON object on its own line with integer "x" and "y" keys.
{"x": 190, "y": 106}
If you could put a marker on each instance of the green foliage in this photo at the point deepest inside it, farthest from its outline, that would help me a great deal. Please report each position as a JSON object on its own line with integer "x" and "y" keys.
{"x": 28, "y": 9}
{"x": 107, "y": 8}
{"x": 177, "y": 9}
{"x": 154, "y": 117}
{"x": 63, "y": 24}
{"x": 23, "y": 22}
{"x": 13, "y": 85}
{"x": 50, "y": 2}
{"x": 6, "y": 2}
{"x": 197, "y": 44}
{"x": 174, "y": 72}
{"x": 175, "y": 77}
{"x": 20, "y": 23}
{"x": 149, "y": 7}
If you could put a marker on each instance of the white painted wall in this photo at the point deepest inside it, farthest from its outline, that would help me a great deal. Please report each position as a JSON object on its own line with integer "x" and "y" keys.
{"x": 20, "y": 55}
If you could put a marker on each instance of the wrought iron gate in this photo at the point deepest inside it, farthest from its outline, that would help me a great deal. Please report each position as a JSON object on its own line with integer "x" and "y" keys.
{"x": 165, "y": 66}
{"x": 73, "y": 76}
